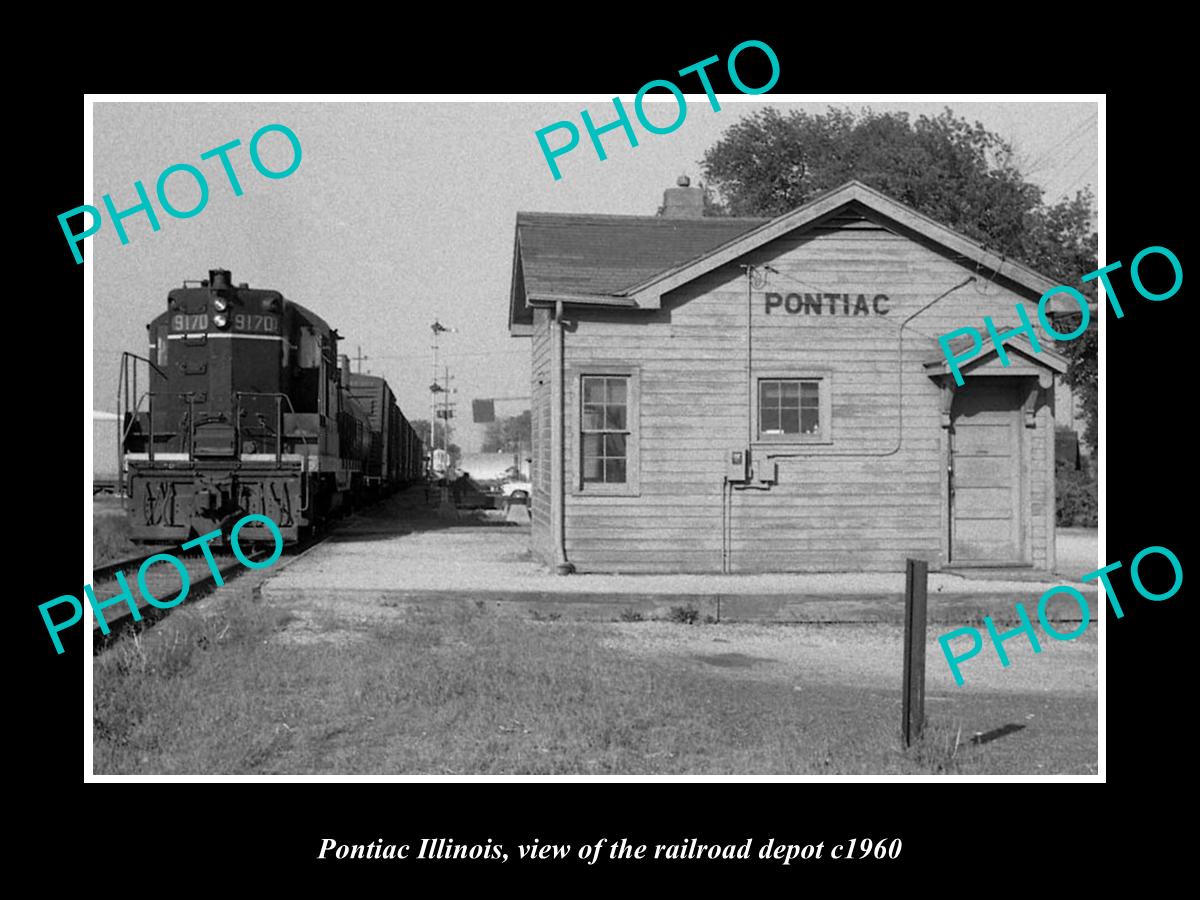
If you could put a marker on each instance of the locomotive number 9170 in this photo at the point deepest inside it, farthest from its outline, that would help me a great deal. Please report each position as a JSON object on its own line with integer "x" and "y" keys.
{"x": 256, "y": 322}
{"x": 241, "y": 322}
{"x": 186, "y": 322}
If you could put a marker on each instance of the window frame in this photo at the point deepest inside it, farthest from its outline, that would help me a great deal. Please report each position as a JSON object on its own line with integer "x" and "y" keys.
{"x": 824, "y": 380}
{"x": 574, "y": 375}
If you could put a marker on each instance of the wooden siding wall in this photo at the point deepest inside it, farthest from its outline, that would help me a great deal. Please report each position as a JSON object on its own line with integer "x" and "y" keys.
{"x": 1041, "y": 485}
{"x": 541, "y": 538}
{"x": 831, "y": 510}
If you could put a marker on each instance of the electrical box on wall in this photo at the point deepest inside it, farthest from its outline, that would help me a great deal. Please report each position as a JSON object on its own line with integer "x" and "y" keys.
{"x": 766, "y": 472}
{"x": 737, "y": 465}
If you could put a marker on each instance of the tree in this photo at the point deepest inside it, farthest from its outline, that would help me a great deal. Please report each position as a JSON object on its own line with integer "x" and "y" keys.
{"x": 1083, "y": 372}
{"x": 510, "y": 434}
{"x": 952, "y": 171}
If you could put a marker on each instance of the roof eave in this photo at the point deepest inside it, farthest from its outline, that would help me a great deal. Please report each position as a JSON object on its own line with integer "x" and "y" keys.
{"x": 512, "y": 290}
{"x": 543, "y": 298}
{"x": 649, "y": 293}
{"x": 1045, "y": 358}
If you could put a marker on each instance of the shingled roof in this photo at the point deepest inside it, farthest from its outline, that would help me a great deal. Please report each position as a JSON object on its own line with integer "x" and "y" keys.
{"x": 632, "y": 261}
{"x": 594, "y": 259}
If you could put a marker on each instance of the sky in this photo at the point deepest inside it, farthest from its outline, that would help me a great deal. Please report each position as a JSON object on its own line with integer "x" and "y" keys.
{"x": 403, "y": 213}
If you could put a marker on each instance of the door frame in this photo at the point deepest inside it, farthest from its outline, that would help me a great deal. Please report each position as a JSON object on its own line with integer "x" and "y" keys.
{"x": 1023, "y": 389}
{"x": 1037, "y": 370}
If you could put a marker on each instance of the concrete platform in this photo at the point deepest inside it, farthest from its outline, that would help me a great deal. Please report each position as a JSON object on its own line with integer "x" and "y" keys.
{"x": 401, "y": 551}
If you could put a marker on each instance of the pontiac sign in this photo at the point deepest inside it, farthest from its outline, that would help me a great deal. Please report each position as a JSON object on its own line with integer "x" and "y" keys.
{"x": 833, "y": 304}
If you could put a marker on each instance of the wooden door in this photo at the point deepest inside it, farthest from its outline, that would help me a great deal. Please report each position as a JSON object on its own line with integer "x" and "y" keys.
{"x": 986, "y": 490}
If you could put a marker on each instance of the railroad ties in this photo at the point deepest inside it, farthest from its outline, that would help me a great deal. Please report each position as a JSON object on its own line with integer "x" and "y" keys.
{"x": 164, "y": 581}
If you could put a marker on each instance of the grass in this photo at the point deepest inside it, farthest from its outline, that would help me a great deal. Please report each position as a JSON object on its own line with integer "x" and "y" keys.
{"x": 683, "y": 615}
{"x": 110, "y": 539}
{"x": 942, "y": 750}
{"x": 465, "y": 691}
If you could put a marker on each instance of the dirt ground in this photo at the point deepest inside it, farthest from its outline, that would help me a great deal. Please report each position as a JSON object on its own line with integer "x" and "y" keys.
{"x": 1077, "y": 551}
{"x": 320, "y": 681}
{"x": 863, "y": 656}
{"x": 399, "y": 548}
{"x": 1038, "y": 715}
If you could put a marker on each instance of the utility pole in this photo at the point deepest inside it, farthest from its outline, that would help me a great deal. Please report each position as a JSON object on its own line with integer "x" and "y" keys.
{"x": 447, "y": 407}
{"x": 436, "y": 388}
{"x": 359, "y": 358}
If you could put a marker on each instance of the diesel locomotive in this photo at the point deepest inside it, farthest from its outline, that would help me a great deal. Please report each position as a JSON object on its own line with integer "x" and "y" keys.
{"x": 250, "y": 409}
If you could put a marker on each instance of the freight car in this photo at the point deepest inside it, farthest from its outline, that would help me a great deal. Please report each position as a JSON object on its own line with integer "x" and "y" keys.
{"x": 250, "y": 409}
{"x": 396, "y": 453}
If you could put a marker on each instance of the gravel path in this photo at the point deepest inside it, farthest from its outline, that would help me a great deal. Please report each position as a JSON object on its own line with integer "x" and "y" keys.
{"x": 399, "y": 545}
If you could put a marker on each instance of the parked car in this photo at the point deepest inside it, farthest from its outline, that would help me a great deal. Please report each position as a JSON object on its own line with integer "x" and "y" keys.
{"x": 510, "y": 486}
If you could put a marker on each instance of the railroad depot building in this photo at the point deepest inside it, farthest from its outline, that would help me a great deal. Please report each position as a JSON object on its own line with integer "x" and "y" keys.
{"x": 752, "y": 395}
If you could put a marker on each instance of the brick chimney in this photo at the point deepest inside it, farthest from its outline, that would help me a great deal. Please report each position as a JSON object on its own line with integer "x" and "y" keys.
{"x": 683, "y": 202}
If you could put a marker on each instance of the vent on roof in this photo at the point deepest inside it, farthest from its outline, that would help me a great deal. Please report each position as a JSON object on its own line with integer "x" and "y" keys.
{"x": 848, "y": 221}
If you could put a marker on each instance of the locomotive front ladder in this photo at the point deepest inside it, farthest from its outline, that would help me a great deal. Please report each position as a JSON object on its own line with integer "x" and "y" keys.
{"x": 129, "y": 404}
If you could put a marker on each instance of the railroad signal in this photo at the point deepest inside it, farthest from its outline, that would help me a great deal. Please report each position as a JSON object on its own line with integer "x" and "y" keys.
{"x": 483, "y": 411}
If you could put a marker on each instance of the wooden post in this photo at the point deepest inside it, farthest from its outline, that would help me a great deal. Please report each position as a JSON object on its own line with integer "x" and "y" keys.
{"x": 916, "y": 583}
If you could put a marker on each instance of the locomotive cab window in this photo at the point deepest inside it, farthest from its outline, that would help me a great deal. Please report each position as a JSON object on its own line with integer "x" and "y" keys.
{"x": 310, "y": 349}
{"x": 794, "y": 410}
{"x": 162, "y": 347}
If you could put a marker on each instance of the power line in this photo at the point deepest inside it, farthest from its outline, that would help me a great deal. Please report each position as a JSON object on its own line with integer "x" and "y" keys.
{"x": 1074, "y": 156}
{"x": 1071, "y": 135}
{"x": 456, "y": 354}
{"x": 1088, "y": 171}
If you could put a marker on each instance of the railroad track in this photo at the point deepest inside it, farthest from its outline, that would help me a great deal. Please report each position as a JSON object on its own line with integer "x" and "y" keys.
{"x": 108, "y": 571}
{"x": 163, "y": 581}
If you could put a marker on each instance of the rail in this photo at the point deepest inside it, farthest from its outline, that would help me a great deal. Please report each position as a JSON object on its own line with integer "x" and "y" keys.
{"x": 202, "y": 583}
{"x": 108, "y": 570}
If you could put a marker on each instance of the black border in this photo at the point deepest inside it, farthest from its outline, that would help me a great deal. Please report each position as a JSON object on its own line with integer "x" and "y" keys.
{"x": 273, "y": 832}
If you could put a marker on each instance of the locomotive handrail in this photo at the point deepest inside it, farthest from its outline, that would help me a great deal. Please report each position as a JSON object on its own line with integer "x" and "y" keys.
{"x": 133, "y": 420}
{"x": 191, "y": 423}
{"x": 127, "y": 355}
{"x": 237, "y": 418}
{"x": 190, "y": 396}
{"x": 275, "y": 394}
{"x": 126, "y": 390}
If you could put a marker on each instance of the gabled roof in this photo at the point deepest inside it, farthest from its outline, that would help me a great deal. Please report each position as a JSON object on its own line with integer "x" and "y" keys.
{"x": 634, "y": 260}
{"x": 596, "y": 259}
{"x": 1045, "y": 358}
{"x": 649, "y": 293}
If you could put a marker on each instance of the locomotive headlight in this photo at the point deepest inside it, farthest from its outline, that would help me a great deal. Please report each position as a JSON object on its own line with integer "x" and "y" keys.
{"x": 221, "y": 320}
{"x": 220, "y": 304}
